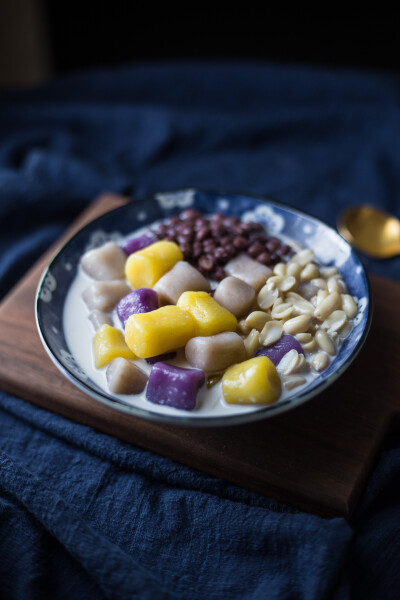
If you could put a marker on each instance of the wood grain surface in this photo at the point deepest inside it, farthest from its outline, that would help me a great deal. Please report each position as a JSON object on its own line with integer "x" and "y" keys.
{"x": 315, "y": 457}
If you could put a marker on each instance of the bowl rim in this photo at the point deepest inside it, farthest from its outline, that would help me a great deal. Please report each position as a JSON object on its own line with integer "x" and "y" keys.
{"x": 182, "y": 420}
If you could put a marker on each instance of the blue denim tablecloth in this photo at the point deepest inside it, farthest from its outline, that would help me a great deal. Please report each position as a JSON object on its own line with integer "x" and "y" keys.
{"x": 84, "y": 515}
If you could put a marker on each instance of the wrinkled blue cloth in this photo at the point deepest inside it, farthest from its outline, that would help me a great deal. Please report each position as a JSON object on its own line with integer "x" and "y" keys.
{"x": 84, "y": 515}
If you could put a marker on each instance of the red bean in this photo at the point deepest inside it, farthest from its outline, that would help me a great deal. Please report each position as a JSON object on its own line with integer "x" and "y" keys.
{"x": 197, "y": 250}
{"x": 244, "y": 228}
{"x": 190, "y": 214}
{"x": 199, "y": 224}
{"x": 216, "y": 217}
{"x": 162, "y": 228}
{"x": 240, "y": 242}
{"x": 222, "y": 254}
{"x": 209, "y": 243}
{"x": 273, "y": 244}
{"x": 206, "y": 262}
{"x": 183, "y": 240}
{"x": 231, "y": 250}
{"x": 218, "y": 230}
{"x": 186, "y": 251}
{"x": 171, "y": 231}
{"x": 275, "y": 258}
{"x": 203, "y": 233}
{"x": 187, "y": 230}
{"x": 217, "y": 273}
{"x": 224, "y": 240}
{"x": 255, "y": 226}
{"x": 258, "y": 236}
{"x": 264, "y": 258}
{"x": 230, "y": 222}
{"x": 283, "y": 250}
{"x": 256, "y": 249}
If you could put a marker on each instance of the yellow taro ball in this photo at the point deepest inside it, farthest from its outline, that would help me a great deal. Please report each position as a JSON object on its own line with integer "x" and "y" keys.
{"x": 254, "y": 381}
{"x": 109, "y": 343}
{"x": 145, "y": 267}
{"x": 161, "y": 330}
{"x": 209, "y": 316}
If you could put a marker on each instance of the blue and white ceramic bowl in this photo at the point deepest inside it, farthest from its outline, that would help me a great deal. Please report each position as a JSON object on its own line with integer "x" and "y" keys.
{"x": 329, "y": 247}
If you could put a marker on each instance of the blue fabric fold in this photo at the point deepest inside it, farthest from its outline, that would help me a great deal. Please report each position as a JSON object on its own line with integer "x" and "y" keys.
{"x": 85, "y": 515}
{"x": 143, "y": 526}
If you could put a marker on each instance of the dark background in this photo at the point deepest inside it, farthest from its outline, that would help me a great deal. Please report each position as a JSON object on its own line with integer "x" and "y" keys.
{"x": 124, "y": 31}
{"x": 41, "y": 39}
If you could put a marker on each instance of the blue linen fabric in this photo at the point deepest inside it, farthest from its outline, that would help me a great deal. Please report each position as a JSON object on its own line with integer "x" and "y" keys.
{"x": 84, "y": 515}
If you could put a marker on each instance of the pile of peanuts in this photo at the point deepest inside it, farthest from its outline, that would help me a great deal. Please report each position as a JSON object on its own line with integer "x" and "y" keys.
{"x": 209, "y": 243}
{"x": 308, "y": 301}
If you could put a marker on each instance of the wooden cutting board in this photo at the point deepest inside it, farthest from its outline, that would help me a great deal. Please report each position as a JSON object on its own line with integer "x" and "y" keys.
{"x": 315, "y": 457}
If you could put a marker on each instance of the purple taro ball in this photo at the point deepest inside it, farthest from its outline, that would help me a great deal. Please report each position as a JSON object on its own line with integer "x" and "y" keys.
{"x": 139, "y": 301}
{"x": 174, "y": 386}
{"x": 277, "y": 351}
{"x": 135, "y": 244}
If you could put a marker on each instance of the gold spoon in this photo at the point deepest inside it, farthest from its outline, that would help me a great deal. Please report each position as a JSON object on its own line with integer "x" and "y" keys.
{"x": 371, "y": 230}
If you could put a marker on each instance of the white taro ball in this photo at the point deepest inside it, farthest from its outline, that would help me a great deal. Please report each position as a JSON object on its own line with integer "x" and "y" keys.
{"x": 235, "y": 295}
{"x": 215, "y": 353}
{"x": 104, "y": 295}
{"x": 124, "y": 377}
{"x": 183, "y": 277}
{"x": 105, "y": 263}
{"x": 251, "y": 271}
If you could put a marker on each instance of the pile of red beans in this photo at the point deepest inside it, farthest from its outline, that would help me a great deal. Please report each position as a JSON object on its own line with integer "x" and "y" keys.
{"x": 208, "y": 243}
